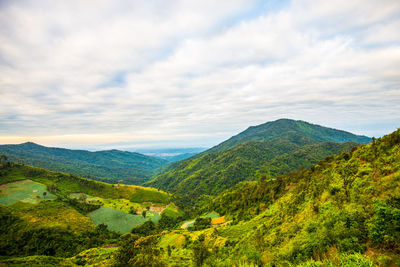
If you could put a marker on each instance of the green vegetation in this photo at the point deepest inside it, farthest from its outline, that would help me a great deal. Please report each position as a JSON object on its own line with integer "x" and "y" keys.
{"x": 342, "y": 211}
{"x": 109, "y": 166}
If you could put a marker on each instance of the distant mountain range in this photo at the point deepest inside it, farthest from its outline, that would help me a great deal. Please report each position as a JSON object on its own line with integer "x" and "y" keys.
{"x": 272, "y": 148}
{"x": 110, "y": 166}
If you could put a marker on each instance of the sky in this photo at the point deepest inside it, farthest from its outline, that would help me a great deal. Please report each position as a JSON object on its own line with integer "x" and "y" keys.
{"x": 146, "y": 74}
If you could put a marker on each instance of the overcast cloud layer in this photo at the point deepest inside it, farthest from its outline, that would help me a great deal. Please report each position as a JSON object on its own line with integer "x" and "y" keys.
{"x": 119, "y": 74}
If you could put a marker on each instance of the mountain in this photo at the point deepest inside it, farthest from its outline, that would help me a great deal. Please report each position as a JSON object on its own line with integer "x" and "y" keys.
{"x": 283, "y": 127}
{"x": 108, "y": 165}
{"x": 274, "y": 147}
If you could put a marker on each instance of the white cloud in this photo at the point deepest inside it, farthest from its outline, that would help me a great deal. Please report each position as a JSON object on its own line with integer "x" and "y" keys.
{"x": 178, "y": 71}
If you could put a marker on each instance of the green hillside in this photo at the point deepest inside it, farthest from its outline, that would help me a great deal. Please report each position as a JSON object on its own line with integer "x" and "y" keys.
{"x": 50, "y": 213}
{"x": 108, "y": 166}
{"x": 274, "y": 148}
{"x": 344, "y": 211}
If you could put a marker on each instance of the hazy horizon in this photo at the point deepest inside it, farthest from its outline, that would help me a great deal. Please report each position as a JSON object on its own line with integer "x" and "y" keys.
{"x": 159, "y": 74}
{"x": 147, "y": 150}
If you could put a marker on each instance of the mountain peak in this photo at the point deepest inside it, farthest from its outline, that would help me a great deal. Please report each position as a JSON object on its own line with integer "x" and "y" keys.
{"x": 287, "y": 127}
{"x": 29, "y": 143}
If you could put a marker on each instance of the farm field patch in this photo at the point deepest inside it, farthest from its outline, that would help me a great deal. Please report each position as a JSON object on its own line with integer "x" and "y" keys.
{"x": 116, "y": 220}
{"x": 25, "y": 191}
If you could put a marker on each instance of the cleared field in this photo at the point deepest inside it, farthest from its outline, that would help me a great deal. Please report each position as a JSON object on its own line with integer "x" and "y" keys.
{"x": 212, "y": 215}
{"x": 116, "y": 220}
{"x": 24, "y": 191}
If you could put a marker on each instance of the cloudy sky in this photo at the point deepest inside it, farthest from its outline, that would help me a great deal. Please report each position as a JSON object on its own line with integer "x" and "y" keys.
{"x": 133, "y": 74}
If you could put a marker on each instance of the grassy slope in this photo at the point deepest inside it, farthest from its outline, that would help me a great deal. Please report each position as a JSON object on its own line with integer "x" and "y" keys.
{"x": 66, "y": 184}
{"x": 109, "y": 166}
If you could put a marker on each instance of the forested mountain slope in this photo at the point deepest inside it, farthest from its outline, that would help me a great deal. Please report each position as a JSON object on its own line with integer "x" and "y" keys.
{"x": 275, "y": 148}
{"x": 344, "y": 211}
{"x": 109, "y": 165}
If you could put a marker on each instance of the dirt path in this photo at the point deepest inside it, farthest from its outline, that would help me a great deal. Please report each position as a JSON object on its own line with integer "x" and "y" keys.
{"x": 185, "y": 225}
{"x": 159, "y": 210}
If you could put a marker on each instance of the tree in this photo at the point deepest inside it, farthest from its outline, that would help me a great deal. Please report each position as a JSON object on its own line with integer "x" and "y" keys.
{"x": 126, "y": 249}
{"x": 138, "y": 252}
{"x": 145, "y": 229}
{"x": 132, "y": 210}
{"x": 348, "y": 174}
{"x": 200, "y": 251}
{"x": 200, "y": 224}
{"x": 169, "y": 250}
{"x": 3, "y": 158}
{"x": 82, "y": 197}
